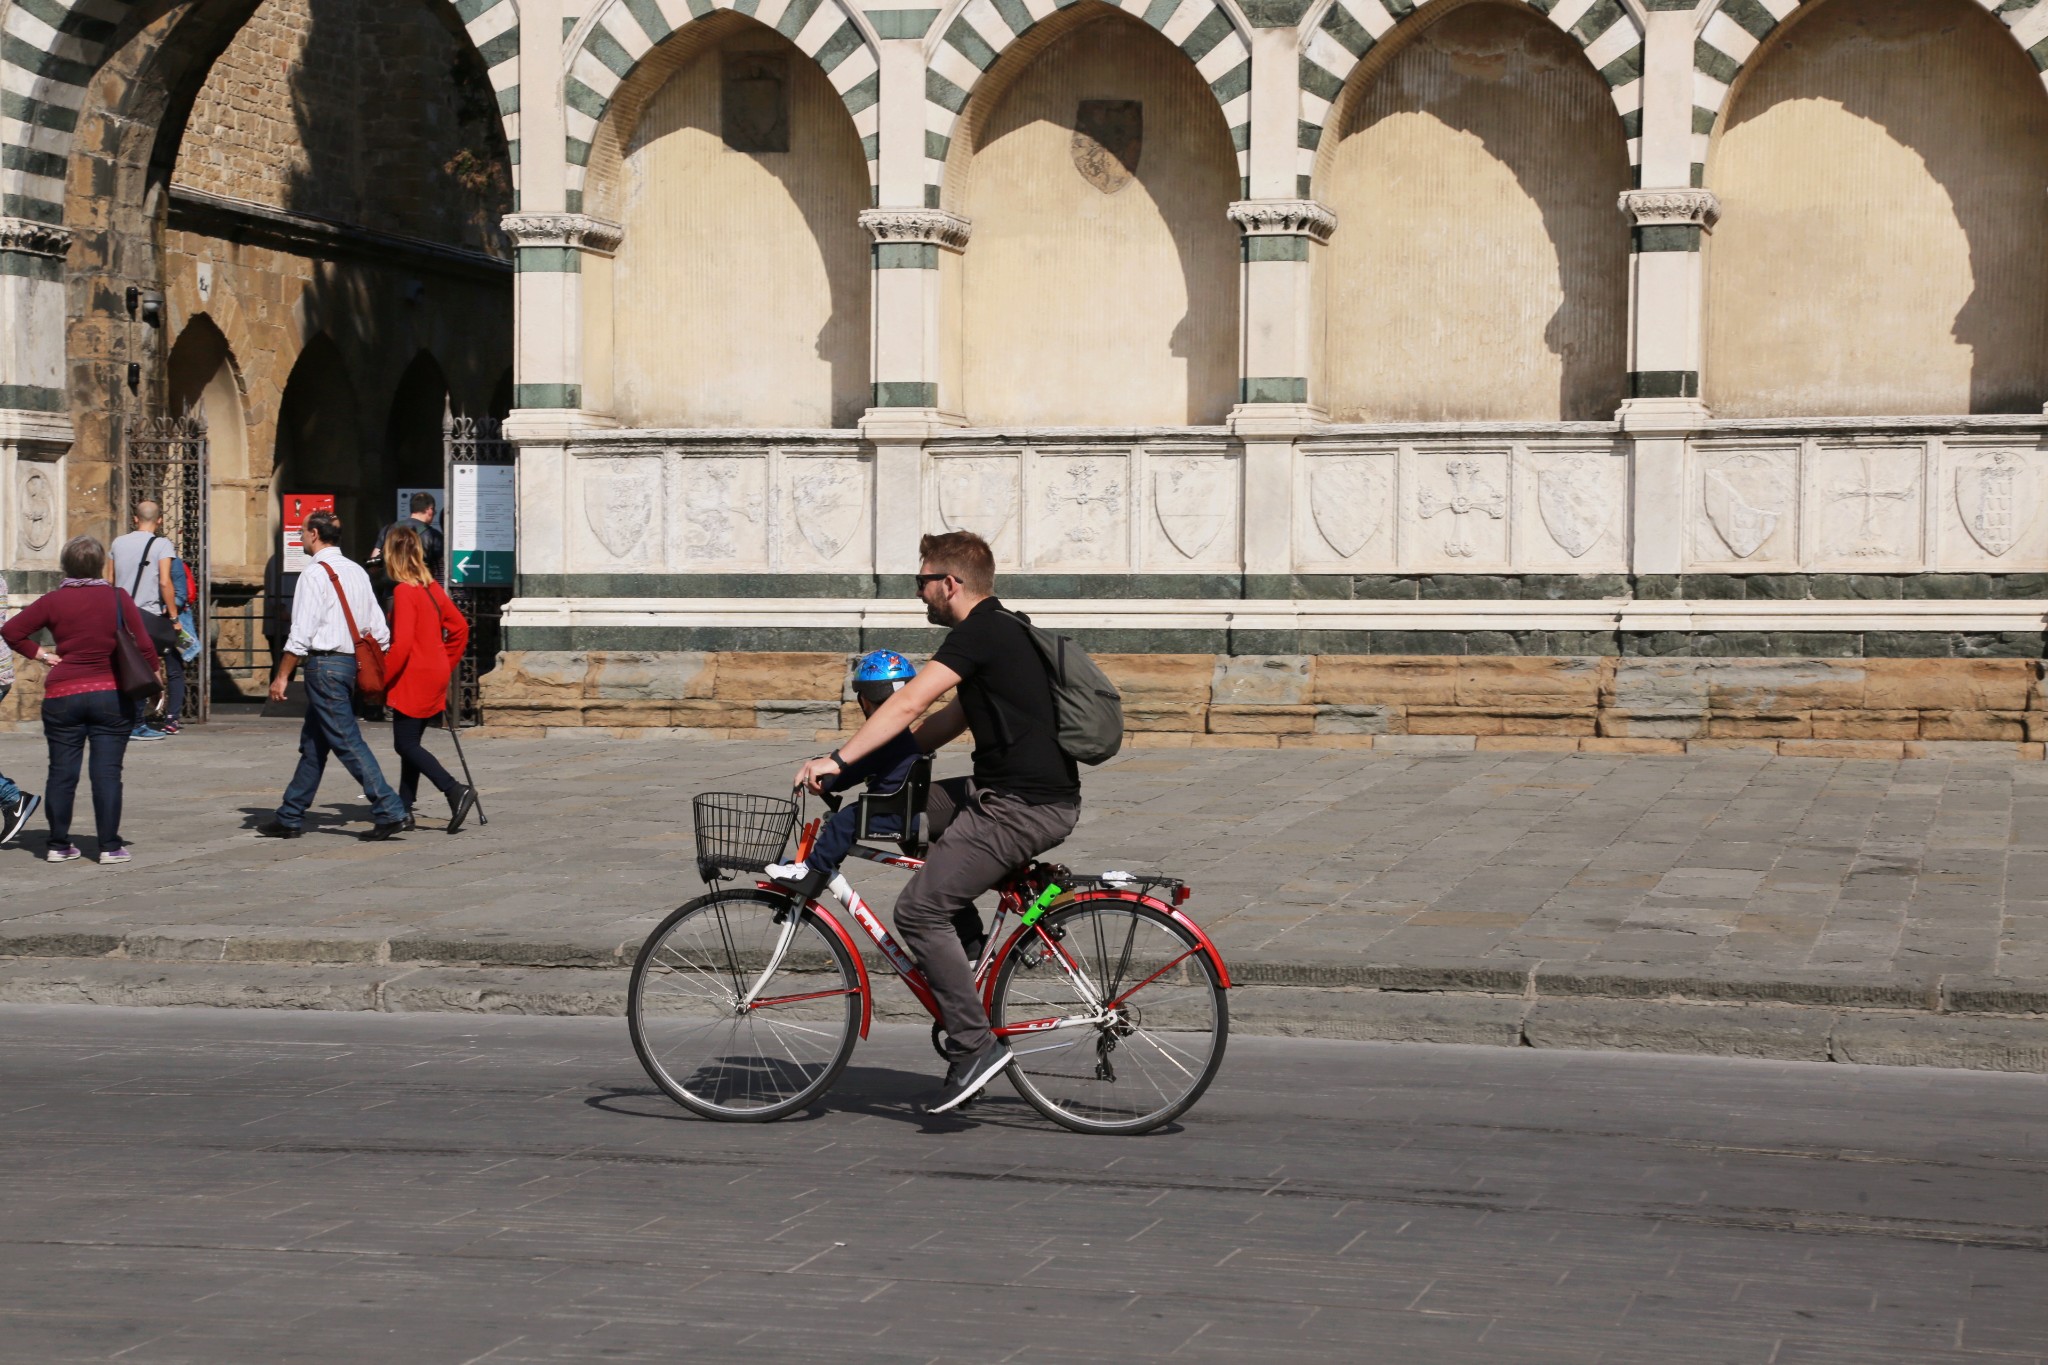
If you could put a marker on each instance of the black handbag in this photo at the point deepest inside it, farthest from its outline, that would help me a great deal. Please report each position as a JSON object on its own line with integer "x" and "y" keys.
{"x": 133, "y": 677}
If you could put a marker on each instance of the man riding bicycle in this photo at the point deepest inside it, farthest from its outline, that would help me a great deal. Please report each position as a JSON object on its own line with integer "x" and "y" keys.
{"x": 1023, "y": 799}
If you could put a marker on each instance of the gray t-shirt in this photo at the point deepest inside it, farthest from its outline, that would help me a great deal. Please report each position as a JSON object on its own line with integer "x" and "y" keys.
{"x": 128, "y": 558}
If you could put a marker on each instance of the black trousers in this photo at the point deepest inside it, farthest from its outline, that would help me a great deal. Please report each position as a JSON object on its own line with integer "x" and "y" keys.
{"x": 102, "y": 722}
{"x": 407, "y": 734}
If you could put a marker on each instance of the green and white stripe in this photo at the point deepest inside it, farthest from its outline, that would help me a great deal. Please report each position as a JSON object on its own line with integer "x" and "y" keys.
{"x": 1735, "y": 29}
{"x": 609, "y": 43}
{"x": 958, "y": 54}
{"x": 1334, "y": 42}
{"x": 49, "y": 50}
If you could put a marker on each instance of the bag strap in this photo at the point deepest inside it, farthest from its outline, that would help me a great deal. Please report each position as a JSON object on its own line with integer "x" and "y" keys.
{"x": 342, "y": 597}
{"x": 136, "y": 586}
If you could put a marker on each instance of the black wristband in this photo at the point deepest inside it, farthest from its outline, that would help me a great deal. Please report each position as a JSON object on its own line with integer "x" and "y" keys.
{"x": 834, "y": 756}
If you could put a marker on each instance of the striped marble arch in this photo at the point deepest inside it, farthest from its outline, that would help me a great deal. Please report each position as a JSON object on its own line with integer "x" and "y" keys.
{"x": 1735, "y": 29}
{"x": 981, "y": 30}
{"x": 50, "y": 49}
{"x": 1333, "y": 44}
{"x": 619, "y": 33}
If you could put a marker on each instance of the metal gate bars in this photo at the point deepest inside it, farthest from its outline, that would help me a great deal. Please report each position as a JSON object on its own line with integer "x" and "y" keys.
{"x": 472, "y": 440}
{"x": 164, "y": 461}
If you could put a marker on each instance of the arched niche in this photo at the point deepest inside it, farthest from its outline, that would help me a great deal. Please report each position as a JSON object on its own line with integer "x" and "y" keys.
{"x": 1479, "y": 270}
{"x": 1093, "y": 292}
{"x": 739, "y": 294}
{"x": 319, "y": 448}
{"x": 412, "y": 431}
{"x": 203, "y": 379}
{"x": 1881, "y": 168}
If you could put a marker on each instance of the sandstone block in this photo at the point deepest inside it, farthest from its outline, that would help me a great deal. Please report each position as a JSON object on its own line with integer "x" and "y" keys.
{"x": 1753, "y": 746}
{"x": 1424, "y": 680}
{"x": 706, "y": 714}
{"x": 1613, "y": 744}
{"x": 804, "y": 718}
{"x": 1539, "y": 721}
{"x": 770, "y": 677}
{"x": 1967, "y": 750}
{"x": 1540, "y": 744}
{"x": 1655, "y": 725}
{"x": 1650, "y": 687}
{"x": 1748, "y": 686}
{"x": 1949, "y": 684}
{"x": 1451, "y": 720}
{"x": 1424, "y": 744}
{"x": 1842, "y": 748}
{"x": 2009, "y": 726}
{"x": 1866, "y": 724}
{"x": 629, "y": 676}
{"x": 1261, "y": 720}
{"x": 1159, "y": 739}
{"x": 1519, "y": 683}
{"x": 1260, "y": 679}
{"x": 1233, "y": 741}
{"x": 1190, "y": 716}
{"x": 630, "y": 714}
{"x": 1358, "y": 719}
{"x": 1326, "y": 741}
{"x": 1160, "y": 678}
{"x": 1792, "y": 725}
{"x": 545, "y": 676}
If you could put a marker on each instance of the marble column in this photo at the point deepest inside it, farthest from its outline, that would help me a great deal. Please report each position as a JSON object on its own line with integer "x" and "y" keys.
{"x": 35, "y": 421}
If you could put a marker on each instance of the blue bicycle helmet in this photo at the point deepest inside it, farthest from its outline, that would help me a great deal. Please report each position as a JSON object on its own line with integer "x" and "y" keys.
{"x": 879, "y": 673}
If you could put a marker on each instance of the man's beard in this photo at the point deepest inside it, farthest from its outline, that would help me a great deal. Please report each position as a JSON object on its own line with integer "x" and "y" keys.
{"x": 934, "y": 614}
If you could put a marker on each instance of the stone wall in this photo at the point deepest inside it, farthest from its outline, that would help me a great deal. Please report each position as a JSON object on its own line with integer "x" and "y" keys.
{"x": 1849, "y": 708}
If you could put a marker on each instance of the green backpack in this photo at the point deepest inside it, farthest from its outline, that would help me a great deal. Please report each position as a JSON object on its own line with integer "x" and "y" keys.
{"x": 1086, "y": 703}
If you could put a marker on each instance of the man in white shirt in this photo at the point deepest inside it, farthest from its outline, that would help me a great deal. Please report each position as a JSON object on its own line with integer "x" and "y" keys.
{"x": 320, "y": 636}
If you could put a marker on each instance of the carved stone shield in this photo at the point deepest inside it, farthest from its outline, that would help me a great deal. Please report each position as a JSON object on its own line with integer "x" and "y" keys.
{"x": 1744, "y": 501}
{"x": 619, "y": 509}
{"x": 1192, "y": 505}
{"x": 1347, "y": 499}
{"x": 1996, "y": 501}
{"x": 828, "y": 505}
{"x": 977, "y": 495}
{"x": 1109, "y": 136}
{"x": 38, "y": 510}
{"x": 1576, "y": 503}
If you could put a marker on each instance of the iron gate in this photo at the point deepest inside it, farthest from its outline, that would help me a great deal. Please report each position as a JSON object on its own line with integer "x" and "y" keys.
{"x": 164, "y": 460}
{"x": 472, "y": 440}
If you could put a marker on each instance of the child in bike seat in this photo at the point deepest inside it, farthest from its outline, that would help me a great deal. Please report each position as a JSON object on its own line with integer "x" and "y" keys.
{"x": 875, "y": 677}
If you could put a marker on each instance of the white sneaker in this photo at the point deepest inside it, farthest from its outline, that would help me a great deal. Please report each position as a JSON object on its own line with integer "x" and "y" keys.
{"x": 787, "y": 872}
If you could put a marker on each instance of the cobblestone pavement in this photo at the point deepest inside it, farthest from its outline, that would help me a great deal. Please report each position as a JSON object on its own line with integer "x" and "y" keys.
{"x": 247, "y": 1186}
{"x": 1890, "y": 872}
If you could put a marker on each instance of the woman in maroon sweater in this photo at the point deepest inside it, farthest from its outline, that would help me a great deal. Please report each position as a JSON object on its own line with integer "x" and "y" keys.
{"x": 81, "y": 702}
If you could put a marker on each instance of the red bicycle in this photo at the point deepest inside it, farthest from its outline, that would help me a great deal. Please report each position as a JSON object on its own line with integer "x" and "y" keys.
{"x": 745, "y": 1006}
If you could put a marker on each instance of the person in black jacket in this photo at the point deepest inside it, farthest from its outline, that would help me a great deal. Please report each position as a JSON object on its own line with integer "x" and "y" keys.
{"x": 420, "y": 519}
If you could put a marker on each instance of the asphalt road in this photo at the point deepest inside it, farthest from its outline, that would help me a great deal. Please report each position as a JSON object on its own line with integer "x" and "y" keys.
{"x": 185, "y": 1185}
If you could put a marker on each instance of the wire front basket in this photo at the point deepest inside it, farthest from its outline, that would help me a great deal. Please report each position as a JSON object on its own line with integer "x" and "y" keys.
{"x": 740, "y": 833}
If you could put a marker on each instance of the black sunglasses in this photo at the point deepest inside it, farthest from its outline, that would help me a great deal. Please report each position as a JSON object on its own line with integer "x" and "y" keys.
{"x": 925, "y": 578}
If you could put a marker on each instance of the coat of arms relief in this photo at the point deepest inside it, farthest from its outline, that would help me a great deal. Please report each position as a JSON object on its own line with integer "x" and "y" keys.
{"x": 1997, "y": 496}
{"x": 622, "y": 506}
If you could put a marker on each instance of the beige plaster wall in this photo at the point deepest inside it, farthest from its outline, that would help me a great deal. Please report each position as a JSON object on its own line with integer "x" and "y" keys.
{"x": 1479, "y": 268}
{"x": 741, "y": 288}
{"x": 1882, "y": 174}
{"x": 1080, "y": 307}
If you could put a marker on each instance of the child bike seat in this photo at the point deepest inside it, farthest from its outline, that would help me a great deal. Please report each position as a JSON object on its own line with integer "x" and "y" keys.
{"x": 905, "y": 804}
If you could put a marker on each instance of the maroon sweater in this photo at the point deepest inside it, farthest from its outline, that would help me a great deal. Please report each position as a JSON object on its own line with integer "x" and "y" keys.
{"x": 81, "y": 621}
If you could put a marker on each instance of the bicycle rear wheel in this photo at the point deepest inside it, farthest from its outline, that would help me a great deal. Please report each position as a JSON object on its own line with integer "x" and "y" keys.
{"x": 1122, "y": 1016}
{"x": 719, "y": 1056}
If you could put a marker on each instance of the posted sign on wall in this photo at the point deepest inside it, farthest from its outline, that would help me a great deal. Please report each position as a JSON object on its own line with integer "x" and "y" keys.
{"x": 297, "y": 507}
{"x": 482, "y": 521}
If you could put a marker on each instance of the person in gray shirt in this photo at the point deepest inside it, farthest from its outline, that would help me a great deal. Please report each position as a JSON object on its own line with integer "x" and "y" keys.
{"x": 142, "y": 568}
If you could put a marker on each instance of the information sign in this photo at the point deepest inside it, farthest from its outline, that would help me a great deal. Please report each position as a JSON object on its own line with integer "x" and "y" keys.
{"x": 297, "y": 507}
{"x": 483, "y": 524}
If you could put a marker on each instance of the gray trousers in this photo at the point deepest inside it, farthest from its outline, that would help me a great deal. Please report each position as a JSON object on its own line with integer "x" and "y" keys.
{"x": 978, "y": 838}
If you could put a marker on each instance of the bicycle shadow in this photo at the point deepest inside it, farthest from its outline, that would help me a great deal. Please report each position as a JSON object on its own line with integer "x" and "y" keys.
{"x": 866, "y": 1091}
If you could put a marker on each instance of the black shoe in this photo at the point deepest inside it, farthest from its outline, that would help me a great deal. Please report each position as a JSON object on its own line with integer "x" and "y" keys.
{"x": 966, "y": 1077}
{"x": 382, "y": 831}
{"x": 278, "y": 830}
{"x": 14, "y": 816}
{"x": 460, "y": 804}
{"x": 410, "y": 823}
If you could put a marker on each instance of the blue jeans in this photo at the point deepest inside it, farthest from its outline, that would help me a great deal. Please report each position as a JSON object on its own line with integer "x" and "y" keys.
{"x": 9, "y": 793}
{"x": 103, "y": 720}
{"x": 331, "y": 728}
{"x": 174, "y": 685}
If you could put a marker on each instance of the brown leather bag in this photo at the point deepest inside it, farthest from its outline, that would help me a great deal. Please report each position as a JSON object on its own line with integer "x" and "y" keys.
{"x": 369, "y": 654}
{"x": 133, "y": 678}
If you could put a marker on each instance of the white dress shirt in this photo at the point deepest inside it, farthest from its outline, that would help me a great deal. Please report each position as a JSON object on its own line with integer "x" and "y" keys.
{"x": 317, "y": 623}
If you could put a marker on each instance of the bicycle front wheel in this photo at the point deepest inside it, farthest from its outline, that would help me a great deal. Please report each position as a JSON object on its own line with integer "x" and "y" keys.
{"x": 1116, "y": 1016}
{"x": 711, "y": 1048}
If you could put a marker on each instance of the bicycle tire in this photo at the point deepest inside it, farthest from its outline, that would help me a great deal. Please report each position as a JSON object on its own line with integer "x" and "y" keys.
{"x": 666, "y": 1023}
{"x": 1025, "y": 989}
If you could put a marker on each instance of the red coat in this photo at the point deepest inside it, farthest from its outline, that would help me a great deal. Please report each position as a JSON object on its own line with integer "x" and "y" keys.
{"x": 427, "y": 636}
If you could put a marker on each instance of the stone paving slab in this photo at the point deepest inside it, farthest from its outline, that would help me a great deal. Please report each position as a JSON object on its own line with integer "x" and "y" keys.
{"x": 1350, "y": 887}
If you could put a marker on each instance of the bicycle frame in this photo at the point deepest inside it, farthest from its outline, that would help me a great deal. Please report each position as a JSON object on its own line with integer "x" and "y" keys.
{"x": 1010, "y": 902}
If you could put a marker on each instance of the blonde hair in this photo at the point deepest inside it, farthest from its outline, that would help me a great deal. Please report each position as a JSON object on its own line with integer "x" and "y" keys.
{"x": 403, "y": 561}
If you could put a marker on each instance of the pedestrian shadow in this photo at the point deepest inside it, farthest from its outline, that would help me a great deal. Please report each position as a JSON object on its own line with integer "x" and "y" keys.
{"x": 254, "y": 817}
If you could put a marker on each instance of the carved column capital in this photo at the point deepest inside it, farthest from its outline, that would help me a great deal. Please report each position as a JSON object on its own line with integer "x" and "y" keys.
{"x": 1671, "y": 208}
{"x": 934, "y": 227}
{"x": 1283, "y": 218}
{"x": 577, "y": 230}
{"x": 34, "y": 238}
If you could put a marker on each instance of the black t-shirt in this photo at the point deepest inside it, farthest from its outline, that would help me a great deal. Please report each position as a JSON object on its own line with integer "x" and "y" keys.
{"x": 1007, "y": 695}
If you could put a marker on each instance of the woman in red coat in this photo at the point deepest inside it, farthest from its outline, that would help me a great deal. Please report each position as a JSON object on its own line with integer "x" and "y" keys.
{"x": 427, "y": 636}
